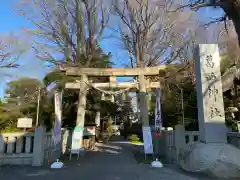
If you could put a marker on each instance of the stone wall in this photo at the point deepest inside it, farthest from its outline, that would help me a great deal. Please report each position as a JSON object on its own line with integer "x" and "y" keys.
{"x": 27, "y": 148}
{"x": 182, "y": 139}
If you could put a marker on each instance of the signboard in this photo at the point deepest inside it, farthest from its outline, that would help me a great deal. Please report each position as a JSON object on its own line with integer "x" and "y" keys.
{"x": 89, "y": 131}
{"x": 24, "y": 123}
{"x": 58, "y": 117}
{"x": 147, "y": 139}
{"x": 238, "y": 125}
{"x": 51, "y": 86}
{"x": 158, "y": 114}
{"x": 77, "y": 139}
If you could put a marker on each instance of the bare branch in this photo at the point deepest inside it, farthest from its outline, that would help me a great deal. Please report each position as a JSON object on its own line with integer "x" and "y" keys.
{"x": 71, "y": 29}
{"x": 9, "y": 52}
{"x": 149, "y": 32}
{"x": 230, "y": 7}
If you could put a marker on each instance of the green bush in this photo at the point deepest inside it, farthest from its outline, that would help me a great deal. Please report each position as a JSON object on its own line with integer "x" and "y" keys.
{"x": 133, "y": 138}
{"x": 11, "y": 129}
{"x": 109, "y": 128}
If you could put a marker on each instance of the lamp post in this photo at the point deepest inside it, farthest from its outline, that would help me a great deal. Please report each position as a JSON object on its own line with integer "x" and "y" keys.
{"x": 182, "y": 104}
{"x": 38, "y": 104}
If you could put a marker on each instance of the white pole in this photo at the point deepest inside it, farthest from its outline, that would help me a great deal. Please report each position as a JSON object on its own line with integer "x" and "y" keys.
{"x": 182, "y": 106}
{"x": 38, "y": 104}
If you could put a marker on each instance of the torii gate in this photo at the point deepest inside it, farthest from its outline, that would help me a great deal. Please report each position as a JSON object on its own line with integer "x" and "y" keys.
{"x": 142, "y": 85}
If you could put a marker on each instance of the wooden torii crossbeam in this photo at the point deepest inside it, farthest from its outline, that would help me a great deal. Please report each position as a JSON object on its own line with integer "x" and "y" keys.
{"x": 121, "y": 85}
{"x": 148, "y": 71}
{"x": 113, "y": 73}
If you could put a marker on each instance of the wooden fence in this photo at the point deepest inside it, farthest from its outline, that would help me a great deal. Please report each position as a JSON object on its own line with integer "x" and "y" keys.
{"x": 88, "y": 141}
{"x": 50, "y": 151}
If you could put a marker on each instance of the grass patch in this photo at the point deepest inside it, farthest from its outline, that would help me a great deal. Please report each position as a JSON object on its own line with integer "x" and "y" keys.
{"x": 134, "y": 139}
{"x": 140, "y": 158}
{"x": 136, "y": 142}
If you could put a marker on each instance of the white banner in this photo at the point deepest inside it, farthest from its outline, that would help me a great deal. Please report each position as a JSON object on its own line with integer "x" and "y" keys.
{"x": 147, "y": 139}
{"x": 58, "y": 117}
{"x": 158, "y": 114}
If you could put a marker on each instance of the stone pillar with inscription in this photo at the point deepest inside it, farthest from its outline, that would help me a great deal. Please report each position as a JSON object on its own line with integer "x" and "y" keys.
{"x": 212, "y": 155}
{"x": 211, "y": 115}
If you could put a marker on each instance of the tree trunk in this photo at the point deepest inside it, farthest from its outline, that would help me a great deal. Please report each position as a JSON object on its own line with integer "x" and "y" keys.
{"x": 236, "y": 23}
{"x": 232, "y": 10}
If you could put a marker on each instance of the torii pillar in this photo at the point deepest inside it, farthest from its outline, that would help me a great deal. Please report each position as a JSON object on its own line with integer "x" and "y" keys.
{"x": 98, "y": 114}
{"x": 143, "y": 101}
{"x": 81, "y": 110}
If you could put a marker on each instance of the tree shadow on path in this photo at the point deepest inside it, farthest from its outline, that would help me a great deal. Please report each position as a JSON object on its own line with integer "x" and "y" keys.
{"x": 111, "y": 161}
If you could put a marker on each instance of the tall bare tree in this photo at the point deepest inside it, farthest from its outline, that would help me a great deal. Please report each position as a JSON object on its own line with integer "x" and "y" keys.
{"x": 230, "y": 7}
{"x": 150, "y": 34}
{"x": 8, "y": 55}
{"x": 67, "y": 31}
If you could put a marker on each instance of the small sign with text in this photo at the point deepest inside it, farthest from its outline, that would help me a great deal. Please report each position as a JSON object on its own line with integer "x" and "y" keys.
{"x": 24, "y": 123}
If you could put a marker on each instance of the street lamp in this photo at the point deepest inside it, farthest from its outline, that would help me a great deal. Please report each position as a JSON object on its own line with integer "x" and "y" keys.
{"x": 38, "y": 105}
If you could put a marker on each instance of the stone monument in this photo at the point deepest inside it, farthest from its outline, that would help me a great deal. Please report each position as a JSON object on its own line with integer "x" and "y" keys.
{"x": 211, "y": 115}
{"x": 212, "y": 155}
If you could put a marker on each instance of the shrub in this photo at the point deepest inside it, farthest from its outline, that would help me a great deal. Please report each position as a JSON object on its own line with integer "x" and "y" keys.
{"x": 134, "y": 138}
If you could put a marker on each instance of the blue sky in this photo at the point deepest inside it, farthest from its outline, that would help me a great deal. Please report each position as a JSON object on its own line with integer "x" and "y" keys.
{"x": 30, "y": 65}
{"x": 11, "y": 23}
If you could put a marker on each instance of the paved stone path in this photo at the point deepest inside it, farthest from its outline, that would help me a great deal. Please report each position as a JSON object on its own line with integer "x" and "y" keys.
{"x": 112, "y": 162}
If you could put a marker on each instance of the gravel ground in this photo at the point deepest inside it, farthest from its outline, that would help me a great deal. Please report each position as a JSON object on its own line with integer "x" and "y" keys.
{"x": 112, "y": 161}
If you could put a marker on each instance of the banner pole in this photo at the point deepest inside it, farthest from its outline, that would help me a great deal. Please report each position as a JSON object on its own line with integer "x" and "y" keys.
{"x": 58, "y": 118}
{"x": 158, "y": 120}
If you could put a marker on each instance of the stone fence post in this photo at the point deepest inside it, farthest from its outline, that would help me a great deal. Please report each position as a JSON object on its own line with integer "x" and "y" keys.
{"x": 2, "y": 144}
{"x": 179, "y": 139}
{"x": 167, "y": 144}
{"x": 38, "y": 148}
{"x": 2, "y": 148}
